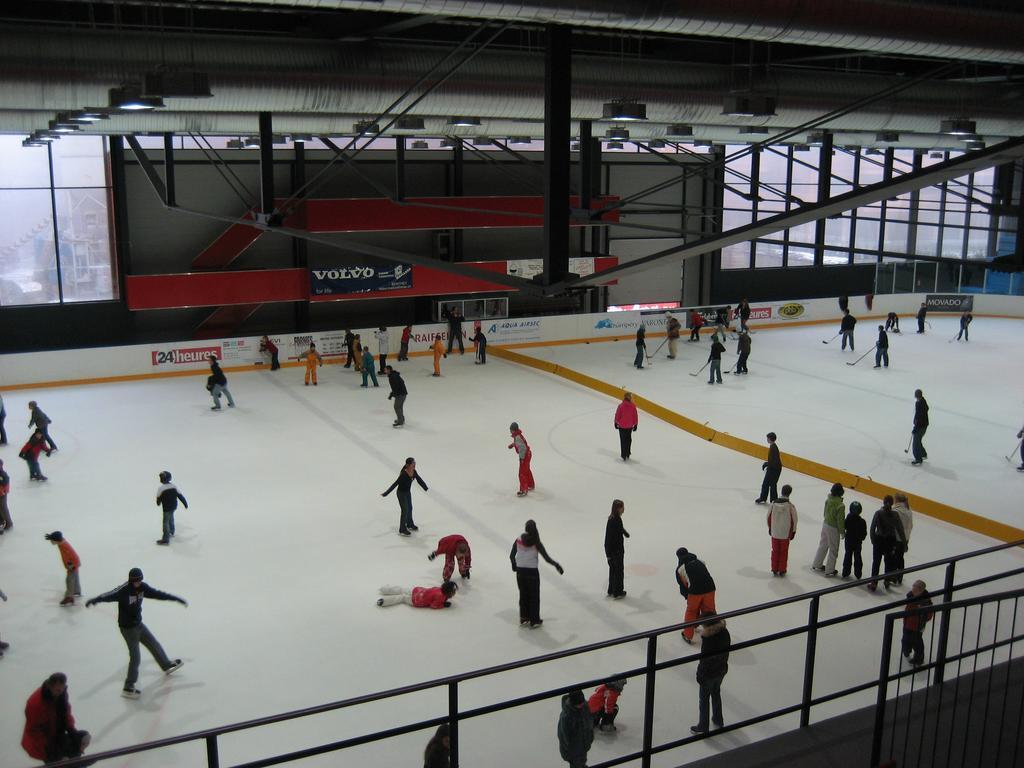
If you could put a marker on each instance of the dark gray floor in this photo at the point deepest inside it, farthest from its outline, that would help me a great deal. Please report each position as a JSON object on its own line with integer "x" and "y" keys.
{"x": 985, "y": 718}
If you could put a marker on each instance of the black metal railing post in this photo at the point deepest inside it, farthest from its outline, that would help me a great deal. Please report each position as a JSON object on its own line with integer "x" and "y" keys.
{"x": 812, "y": 645}
{"x": 652, "y": 660}
{"x": 940, "y": 653}
{"x": 453, "y": 723}
{"x": 883, "y": 689}
{"x": 212, "y": 755}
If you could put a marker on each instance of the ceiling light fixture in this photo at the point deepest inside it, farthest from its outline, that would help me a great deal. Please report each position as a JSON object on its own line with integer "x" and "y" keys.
{"x": 887, "y": 137}
{"x": 624, "y": 110}
{"x": 235, "y": 144}
{"x": 366, "y": 128}
{"x": 30, "y": 142}
{"x": 450, "y": 142}
{"x": 976, "y": 144}
{"x": 679, "y": 129}
{"x": 614, "y": 146}
{"x": 520, "y": 140}
{"x": 464, "y": 122}
{"x": 704, "y": 143}
{"x": 748, "y": 105}
{"x": 816, "y": 138}
{"x": 958, "y": 126}
{"x": 129, "y": 97}
{"x": 617, "y": 134}
{"x": 482, "y": 141}
{"x": 58, "y": 127}
{"x": 656, "y": 144}
{"x": 409, "y": 124}
{"x": 419, "y": 144}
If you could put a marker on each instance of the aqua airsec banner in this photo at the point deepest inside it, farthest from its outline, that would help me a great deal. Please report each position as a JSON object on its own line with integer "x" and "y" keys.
{"x": 362, "y": 279}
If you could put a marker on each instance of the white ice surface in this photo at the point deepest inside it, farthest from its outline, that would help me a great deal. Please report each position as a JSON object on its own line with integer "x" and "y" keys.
{"x": 287, "y": 538}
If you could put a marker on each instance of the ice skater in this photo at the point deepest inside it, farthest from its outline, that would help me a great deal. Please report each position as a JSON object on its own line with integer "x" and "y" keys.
{"x": 522, "y": 449}
{"x": 42, "y": 422}
{"x": 641, "y": 347}
{"x": 672, "y": 329}
{"x": 696, "y": 586}
{"x": 217, "y": 384}
{"x": 696, "y": 323}
{"x": 480, "y": 345}
{"x": 901, "y": 506}
{"x": 404, "y": 486}
{"x": 921, "y": 314}
{"x": 782, "y": 519}
{"x": 965, "y": 320}
{"x": 772, "y": 472}
{"x": 856, "y": 531}
{"x": 743, "y": 350}
{"x": 575, "y": 729}
{"x": 270, "y": 348}
{"x": 403, "y": 348}
{"x": 892, "y": 321}
{"x": 455, "y": 319}
{"x": 418, "y": 597}
{"x": 350, "y": 354}
{"x": 743, "y": 310}
{"x": 711, "y": 671}
{"x": 72, "y": 565}
{"x": 381, "y": 334}
{"x": 455, "y": 549}
{"x": 614, "y": 549}
{"x": 357, "y": 353}
{"x": 129, "y": 597}
{"x": 3, "y": 418}
{"x": 882, "y": 348}
{"x": 368, "y": 370}
{"x": 398, "y": 394}
{"x": 603, "y": 704}
{"x": 526, "y": 551}
{"x": 914, "y": 622}
{"x": 886, "y": 535}
{"x": 1020, "y": 450}
{"x": 438, "y": 349}
{"x": 832, "y": 529}
{"x": 6, "y": 524}
{"x": 920, "y": 427}
{"x": 50, "y": 734}
{"x": 313, "y": 360}
{"x": 626, "y": 420}
{"x": 30, "y": 453}
{"x": 168, "y": 496}
{"x": 846, "y": 328}
{"x": 715, "y": 359}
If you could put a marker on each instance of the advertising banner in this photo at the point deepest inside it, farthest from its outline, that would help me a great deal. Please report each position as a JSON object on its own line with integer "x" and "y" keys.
{"x": 338, "y": 280}
{"x": 792, "y": 310}
{"x": 171, "y": 357}
{"x": 949, "y": 302}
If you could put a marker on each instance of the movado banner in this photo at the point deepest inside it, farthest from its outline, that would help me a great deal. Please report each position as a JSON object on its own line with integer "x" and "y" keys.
{"x": 949, "y": 302}
{"x": 337, "y": 280}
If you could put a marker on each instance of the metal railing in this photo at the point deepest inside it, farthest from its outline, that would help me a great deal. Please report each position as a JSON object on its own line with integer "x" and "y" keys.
{"x": 943, "y": 719}
{"x": 649, "y": 671}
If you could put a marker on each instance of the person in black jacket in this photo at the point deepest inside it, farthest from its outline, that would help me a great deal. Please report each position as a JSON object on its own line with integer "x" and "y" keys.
{"x": 920, "y": 317}
{"x": 615, "y": 550}
{"x": 129, "y": 597}
{"x": 886, "y": 535}
{"x": 856, "y": 532}
{"x": 892, "y": 320}
{"x": 772, "y": 472}
{"x": 844, "y": 303}
{"x": 641, "y": 347}
{"x": 743, "y": 310}
{"x": 965, "y": 320}
{"x": 404, "y": 485}
{"x": 350, "y": 354}
{"x": 167, "y": 496}
{"x": 697, "y": 586}
{"x": 711, "y": 670}
{"x": 217, "y": 384}
{"x": 715, "y": 358}
{"x": 398, "y": 394}
{"x": 454, "y": 318}
{"x": 846, "y": 328}
{"x": 882, "y": 348}
{"x": 743, "y": 350}
{"x": 438, "y": 751}
{"x": 480, "y": 343}
{"x": 42, "y": 422}
{"x": 920, "y": 427}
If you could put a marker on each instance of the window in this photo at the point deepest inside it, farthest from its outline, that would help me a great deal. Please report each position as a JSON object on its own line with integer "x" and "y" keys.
{"x": 56, "y": 246}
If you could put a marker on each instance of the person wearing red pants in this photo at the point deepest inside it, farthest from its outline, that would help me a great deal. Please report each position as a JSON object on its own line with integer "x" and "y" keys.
{"x": 697, "y": 586}
{"x": 782, "y": 529}
{"x": 454, "y": 548}
{"x": 522, "y": 449}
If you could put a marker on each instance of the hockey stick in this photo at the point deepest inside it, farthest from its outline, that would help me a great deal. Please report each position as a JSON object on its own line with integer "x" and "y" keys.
{"x": 733, "y": 369}
{"x": 928, "y": 324}
{"x": 833, "y": 338}
{"x": 697, "y": 373}
{"x": 650, "y": 357}
{"x": 909, "y": 443}
{"x": 864, "y": 355}
{"x": 1010, "y": 457}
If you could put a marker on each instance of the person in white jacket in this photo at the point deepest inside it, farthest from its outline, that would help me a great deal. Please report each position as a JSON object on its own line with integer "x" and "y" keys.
{"x": 901, "y": 506}
{"x": 782, "y": 528}
{"x": 382, "y": 347}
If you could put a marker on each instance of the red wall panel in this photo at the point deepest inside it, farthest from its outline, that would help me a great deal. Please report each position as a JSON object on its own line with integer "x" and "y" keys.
{"x": 212, "y": 289}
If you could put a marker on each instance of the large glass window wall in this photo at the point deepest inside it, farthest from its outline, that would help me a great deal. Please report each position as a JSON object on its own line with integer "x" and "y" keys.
{"x": 56, "y": 245}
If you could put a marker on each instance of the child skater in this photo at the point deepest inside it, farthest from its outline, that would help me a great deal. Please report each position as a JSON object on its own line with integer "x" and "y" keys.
{"x": 168, "y": 496}
{"x": 312, "y": 358}
{"x": 404, "y": 485}
{"x": 30, "y": 453}
{"x": 522, "y": 449}
{"x": 602, "y": 704}
{"x": 454, "y": 548}
{"x": 480, "y": 344}
{"x": 72, "y": 563}
{"x": 438, "y": 349}
{"x": 915, "y": 622}
{"x": 856, "y": 531}
{"x": 419, "y": 597}
{"x": 368, "y": 370}
{"x": 525, "y": 560}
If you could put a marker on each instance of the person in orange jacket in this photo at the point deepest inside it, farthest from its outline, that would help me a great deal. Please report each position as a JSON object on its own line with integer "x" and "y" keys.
{"x": 438, "y": 348}
{"x": 50, "y": 732}
{"x": 312, "y": 359}
{"x": 72, "y": 564}
{"x": 602, "y": 704}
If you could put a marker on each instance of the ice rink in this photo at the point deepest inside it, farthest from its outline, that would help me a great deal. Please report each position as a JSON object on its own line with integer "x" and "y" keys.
{"x": 287, "y": 537}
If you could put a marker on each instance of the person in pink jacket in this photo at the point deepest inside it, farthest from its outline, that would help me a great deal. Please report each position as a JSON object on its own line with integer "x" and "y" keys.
{"x": 625, "y": 421}
{"x": 419, "y": 597}
{"x": 454, "y": 548}
{"x": 782, "y": 529}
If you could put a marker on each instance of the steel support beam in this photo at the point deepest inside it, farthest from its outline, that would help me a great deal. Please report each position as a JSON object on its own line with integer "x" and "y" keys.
{"x": 399, "y": 168}
{"x": 1007, "y": 151}
{"x": 300, "y": 251}
{"x": 824, "y": 192}
{"x": 266, "y": 165}
{"x": 171, "y": 200}
{"x": 455, "y": 239}
{"x": 557, "y": 102}
{"x": 147, "y": 168}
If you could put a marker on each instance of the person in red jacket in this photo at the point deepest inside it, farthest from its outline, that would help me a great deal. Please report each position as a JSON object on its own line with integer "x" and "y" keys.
{"x": 602, "y": 704}
{"x": 696, "y": 323}
{"x": 419, "y": 597}
{"x": 72, "y": 563}
{"x": 403, "y": 350}
{"x": 454, "y": 548}
{"x": 30, "y": 453}
{"x": 626, "y": 419}
{"x": 270, "y": 348}
{"x": 50, "y": 733}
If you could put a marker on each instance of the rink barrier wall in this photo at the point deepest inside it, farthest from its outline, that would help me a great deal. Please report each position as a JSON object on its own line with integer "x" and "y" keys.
{"x": 864, "y": 485}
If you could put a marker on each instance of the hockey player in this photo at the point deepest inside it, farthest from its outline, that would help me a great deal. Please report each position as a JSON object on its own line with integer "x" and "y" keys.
{"x": 672, "y": 327}
{"x": 882, "y": 348}
{"x": 313, "y": 360}
{"x": 381, "y": 334}
{"x": 965, "y": 320}
{"x": 920, "y": 427}
{"x": 846, "y": 328}
{"x": 30, "y": 453}
{"x": 455, "y": 548}
{"x": 72, "y": 564}
{"x": 419, "y": 597}
{"x": 715, "y": 358}
{"x": 522, "y": 449}
{"x": 167, "y": 496}
{"x": 438, "y": 349}
{"x": 1020, "y": 449}
{"x": 696, "y": 323}
{"x": 129, "y": 597}
{"x": 602, "y": 704}
{"x": 892, "y": 320}
{"x": 404, "y": 485}
{"x": 743, "y": 350}
{"x": 921, "y": 313}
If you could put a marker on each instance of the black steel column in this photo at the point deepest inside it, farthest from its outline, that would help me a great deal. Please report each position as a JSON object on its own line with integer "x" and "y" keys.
{"x": 170, "y": 200}
{"x": 824, "y": 192}
{"x": 119, "y": 194}
{"x": 399, "y": 168}
{"x": 266, "y": 164}
{"x": 557, "y": 98}
{"x": 300, "y": 252}
{"x": 458, "y": 168}
{"x": 590, "y": 180}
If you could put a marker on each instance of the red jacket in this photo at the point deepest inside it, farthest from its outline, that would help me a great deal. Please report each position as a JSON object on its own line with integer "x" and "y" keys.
{"x": 696, "y": 319}
{"x": 268, "y": 346}
{"x": 42, "y": 716}
{"x": 603, "y": 698}
{"x": 406, "y": 333}
{"x": 447, "y": 545}
{"x": 626, "y": 415}
{"x": 33, "y": 448}
{"x": 428, "y": 597}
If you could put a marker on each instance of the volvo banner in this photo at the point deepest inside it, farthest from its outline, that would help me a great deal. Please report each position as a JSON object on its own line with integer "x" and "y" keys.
{"x": 949, "y": 302}
{"x": 338, "y": 280}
